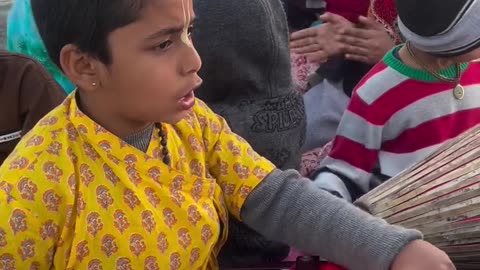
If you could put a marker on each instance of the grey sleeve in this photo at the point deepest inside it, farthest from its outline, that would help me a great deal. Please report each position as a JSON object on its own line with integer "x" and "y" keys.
{"x": 291, "y": 209}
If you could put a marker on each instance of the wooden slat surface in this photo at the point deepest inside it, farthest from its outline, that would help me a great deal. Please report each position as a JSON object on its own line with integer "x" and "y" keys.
{"x": 439, "y": 196}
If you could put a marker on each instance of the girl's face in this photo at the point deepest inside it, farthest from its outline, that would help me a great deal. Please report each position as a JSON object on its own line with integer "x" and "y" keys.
{"x": 154, "y": 65}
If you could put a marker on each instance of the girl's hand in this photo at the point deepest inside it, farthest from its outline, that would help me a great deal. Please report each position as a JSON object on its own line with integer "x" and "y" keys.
{"x": 420, "y": 255}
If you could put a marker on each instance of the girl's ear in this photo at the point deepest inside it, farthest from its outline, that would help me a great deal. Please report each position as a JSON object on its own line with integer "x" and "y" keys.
{"x": 82, "y": 69}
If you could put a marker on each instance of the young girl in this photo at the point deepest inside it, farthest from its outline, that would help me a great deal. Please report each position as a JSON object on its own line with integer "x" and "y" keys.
{"x": 132, "y": 172}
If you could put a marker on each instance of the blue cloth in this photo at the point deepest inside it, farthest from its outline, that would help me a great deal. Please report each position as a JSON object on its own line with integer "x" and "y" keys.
{"x": 316, "y": 24}
{"x": 23, "y": 38}
{"x": 325, "y": 104}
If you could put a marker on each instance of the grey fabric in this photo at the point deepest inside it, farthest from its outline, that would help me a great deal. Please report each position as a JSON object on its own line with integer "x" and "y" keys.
{"x": 325, "y": 104}
{"x": 315, "y": 4}
{"x": 141, "y": 139}
{"x": 244, "y": 46}
{"x": 292, "y": 209}
{"x": 440, "y": 29}
{"x": 332, "y": 183}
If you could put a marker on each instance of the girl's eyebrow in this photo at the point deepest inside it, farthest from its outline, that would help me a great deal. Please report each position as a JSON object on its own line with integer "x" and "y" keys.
{"x": 169, "y": 30}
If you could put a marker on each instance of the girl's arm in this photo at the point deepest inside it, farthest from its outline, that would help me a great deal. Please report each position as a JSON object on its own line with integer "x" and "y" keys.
{"x": 291, "y": 209}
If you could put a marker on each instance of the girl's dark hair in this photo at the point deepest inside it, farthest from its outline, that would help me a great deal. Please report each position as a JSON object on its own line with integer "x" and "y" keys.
{"x": 83, "y": 23}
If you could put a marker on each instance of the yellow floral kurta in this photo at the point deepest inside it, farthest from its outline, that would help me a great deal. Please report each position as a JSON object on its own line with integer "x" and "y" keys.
{"x": 74, "y": 196}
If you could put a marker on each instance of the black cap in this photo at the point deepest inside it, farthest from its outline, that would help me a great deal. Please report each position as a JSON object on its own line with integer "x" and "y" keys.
{"x": 431, "y": 17}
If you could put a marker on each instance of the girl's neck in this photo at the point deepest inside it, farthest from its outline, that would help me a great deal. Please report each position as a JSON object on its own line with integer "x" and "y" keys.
{"x": 104, "y": 115}
{"x": 432, "y": 62}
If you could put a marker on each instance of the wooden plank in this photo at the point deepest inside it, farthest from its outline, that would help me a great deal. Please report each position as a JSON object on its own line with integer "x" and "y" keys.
{"x": 437, "y": 215}
{"x": 439, "y": 196}
{"x": 451, "y": 228}
{"x": 455, "y": 173}
{"x": 462, "y": 249}
{"x": 463, "y": 200}
{"x": 465, "y": 145}
{"x": 464, "y": 236}
{"x": 457, "y": 242}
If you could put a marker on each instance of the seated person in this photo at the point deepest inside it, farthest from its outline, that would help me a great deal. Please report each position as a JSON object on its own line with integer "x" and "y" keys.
{"x": 365, "y": 39}
{"x": 420, "y": 96}
{"x": 250, "y": 85}
{"x": 348, "y": 39}
{"x": 27, "y": 93}
{"x": 132, "y": 172}
{"x": 331, "y": 89}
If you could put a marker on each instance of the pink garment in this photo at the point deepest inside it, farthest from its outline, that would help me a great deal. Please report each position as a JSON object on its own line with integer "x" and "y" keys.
{"x": 311, "y": 160}
{"x": 349, "y": 9}
{"x": 385, "y": 12}
{"x": 301, "y": 70}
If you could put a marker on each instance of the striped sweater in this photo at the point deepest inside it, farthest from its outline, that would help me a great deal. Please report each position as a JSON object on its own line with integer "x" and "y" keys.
{"x": 396, "y": 117}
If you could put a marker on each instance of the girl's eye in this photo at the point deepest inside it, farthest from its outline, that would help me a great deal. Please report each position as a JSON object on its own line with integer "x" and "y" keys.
{"x": 164, "y": 45}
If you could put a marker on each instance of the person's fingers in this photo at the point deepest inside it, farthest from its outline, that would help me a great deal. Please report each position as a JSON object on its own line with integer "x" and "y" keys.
{"x": 317, "y": 57}
{"x": 352, "y": 41}
{"x": 370, "y": 23}
{"x": 356, "y": 50}
{"x": 309, "y": 32}
{"x": 358, "y": 58}
{"x": 357, "y": 32}
{"x": 333, "y": 18}
{"x": 307, "y": 49}
{"x": 305, "y": 42}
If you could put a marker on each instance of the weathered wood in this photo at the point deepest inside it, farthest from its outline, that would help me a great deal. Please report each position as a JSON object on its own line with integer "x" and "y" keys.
{"x": 439, "y": 196}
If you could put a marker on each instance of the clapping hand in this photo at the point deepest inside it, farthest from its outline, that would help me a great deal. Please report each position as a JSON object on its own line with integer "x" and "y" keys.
{"x": 320, "y": 43}
{"x": 368, "y": 42}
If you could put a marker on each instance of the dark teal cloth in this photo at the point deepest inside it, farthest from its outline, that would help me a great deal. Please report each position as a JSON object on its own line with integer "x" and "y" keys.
{"x": 23, "y": 37}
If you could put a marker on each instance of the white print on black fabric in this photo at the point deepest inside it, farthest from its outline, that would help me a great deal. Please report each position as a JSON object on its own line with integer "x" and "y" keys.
{"x": 279, "y": 114}
{"x": 10, "y": 137}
